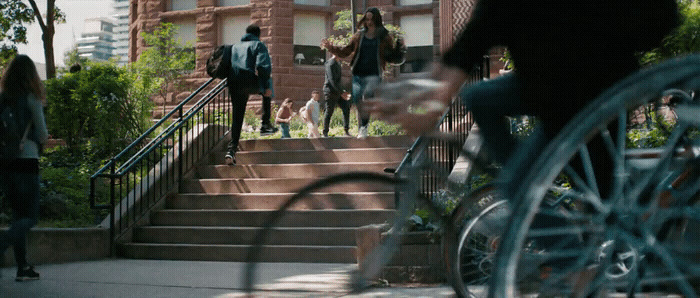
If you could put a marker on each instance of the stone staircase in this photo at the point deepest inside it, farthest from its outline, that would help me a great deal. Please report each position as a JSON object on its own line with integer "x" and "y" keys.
{"x": 219, "y": 210}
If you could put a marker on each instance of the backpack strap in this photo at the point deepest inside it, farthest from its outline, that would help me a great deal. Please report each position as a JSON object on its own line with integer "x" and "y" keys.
{"x": 24, "y": 137}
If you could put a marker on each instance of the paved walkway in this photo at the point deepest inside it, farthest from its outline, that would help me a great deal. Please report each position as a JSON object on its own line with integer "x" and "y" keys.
{"x": 151, "y": 278}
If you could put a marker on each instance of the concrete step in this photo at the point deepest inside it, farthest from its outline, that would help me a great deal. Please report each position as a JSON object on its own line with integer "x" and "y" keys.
{"x": 350, "y": 200}
{"x": 325, "y": 143}
{"x": 237, "y": 253}
{"x": 299, "y": 170}
{"x": 256, "y": 218}
{"x": 325, "y": 236}
{"x": 310, "y": 156}
{"x": 271, "y": 185}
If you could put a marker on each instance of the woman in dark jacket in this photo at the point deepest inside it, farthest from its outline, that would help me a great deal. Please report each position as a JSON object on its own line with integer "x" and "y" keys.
{"x": 370, "y": 49}
{"x": 23, "y": 92}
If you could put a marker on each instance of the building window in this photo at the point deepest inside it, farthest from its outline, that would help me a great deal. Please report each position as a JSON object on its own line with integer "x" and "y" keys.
{"x": 419, "y": 42}
{"x": 313, "y": 2}
{"x": 233, "y": 2}
{"x": 176, "y": 5}
{"x": 232, "y": 28}
{"x": 414, "y": 2}
{"x": 308, "y": 31}
{"x": 186, "y": 31}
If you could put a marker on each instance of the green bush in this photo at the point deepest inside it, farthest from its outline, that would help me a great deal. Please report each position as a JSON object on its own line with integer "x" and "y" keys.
{"x": 298, "y": 129}
{"x": 101, "y": 104}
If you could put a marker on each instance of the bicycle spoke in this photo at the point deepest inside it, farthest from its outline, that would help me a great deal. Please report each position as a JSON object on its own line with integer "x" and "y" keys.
{"x": 588, "y": 170}
{"x": 617, "y": 153}
{"x": 675, "y": 274}
{"x": 588, "y": 194}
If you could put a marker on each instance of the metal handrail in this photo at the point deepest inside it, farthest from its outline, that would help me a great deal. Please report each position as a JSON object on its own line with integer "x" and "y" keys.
{"x": 141, "y": 175}
{"x": 455, "y": 121}
{"x": 152, "y": 128}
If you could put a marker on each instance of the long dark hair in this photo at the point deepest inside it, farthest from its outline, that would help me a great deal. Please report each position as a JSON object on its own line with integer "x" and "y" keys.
{"x": 21, "y": 78}
{"x": 376, "y": 19}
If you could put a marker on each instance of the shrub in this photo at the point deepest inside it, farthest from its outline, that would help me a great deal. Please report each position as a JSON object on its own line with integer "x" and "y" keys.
{"x": 102, "y": 104}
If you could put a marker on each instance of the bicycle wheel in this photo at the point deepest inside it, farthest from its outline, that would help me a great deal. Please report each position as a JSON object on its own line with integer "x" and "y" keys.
{"x": 566, "y": 239}
{"x": 480, "y": 220}
{"x": 347, "y": 274}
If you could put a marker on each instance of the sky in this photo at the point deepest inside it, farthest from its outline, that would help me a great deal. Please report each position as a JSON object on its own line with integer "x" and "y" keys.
{"x": 67, "y": 33}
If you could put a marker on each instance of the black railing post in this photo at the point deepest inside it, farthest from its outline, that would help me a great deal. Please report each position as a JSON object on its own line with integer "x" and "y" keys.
{"x": 112, "y": 220}
{"x": 180, "y": 156}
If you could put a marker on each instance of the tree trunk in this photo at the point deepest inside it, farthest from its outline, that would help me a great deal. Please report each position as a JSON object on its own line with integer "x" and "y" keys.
{"x": 48, "y": 30}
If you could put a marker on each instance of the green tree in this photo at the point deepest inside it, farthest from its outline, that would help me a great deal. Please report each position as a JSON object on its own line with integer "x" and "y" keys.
{"x": 16, "y": 15}
{"x": 72, "y": 57}
{"x": 7, "y": 53}
{"x": 684, "y": 40}
{"x": 165, "y": 60}
{"x": 103, "y": 105}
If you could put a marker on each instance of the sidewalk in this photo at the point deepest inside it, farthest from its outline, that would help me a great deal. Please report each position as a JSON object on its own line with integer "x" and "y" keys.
{"x": 154, "y": 278}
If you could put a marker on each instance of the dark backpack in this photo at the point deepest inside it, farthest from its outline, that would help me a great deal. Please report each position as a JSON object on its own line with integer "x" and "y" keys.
{"x": 14, "y": 124}
{"x": 219, "y": 63}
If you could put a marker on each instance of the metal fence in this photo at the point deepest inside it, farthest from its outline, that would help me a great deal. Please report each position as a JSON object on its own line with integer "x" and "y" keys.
{"x": 443, "y": 154}
{"x": 152, "y": 167}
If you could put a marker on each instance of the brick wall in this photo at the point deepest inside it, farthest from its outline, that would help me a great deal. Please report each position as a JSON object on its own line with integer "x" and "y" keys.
{"x": 276, "y": 20}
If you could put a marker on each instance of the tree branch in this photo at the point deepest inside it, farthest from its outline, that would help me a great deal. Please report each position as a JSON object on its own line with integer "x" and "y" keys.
{"x": 37, "y": 13}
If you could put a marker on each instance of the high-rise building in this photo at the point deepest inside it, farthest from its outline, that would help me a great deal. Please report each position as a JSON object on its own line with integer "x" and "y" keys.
{"x": 121, "y": 31}
{"x": 96, "y": 42}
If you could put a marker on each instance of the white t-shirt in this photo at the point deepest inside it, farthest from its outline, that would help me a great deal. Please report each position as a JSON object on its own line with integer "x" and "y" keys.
{"x": 315, "y": 108}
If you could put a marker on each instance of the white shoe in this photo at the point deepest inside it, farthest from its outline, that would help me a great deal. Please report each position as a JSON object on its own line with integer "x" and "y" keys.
{"x": 362, "y": 132}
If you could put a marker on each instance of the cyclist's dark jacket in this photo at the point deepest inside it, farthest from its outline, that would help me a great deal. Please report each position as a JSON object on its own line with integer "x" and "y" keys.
{"x": 566, "y": 52}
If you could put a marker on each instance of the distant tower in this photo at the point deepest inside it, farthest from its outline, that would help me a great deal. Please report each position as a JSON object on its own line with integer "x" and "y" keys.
{"x": 96, "y": 42}
{"x": 121, "y": 31}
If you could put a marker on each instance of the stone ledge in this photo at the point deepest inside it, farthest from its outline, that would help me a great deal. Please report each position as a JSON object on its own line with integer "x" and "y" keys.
{"x": 57, "y": 245}
{"x": 418, "y": 259}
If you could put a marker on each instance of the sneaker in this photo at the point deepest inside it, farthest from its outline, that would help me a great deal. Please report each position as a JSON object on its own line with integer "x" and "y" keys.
{"x": 230, "y": 158}
{"x": 26, "y": 273}
{"x": 362, "y": 132}
{"x": 267, "y": 130}
{"x": 325, "y": 134}
{"x": 347, "y": 133}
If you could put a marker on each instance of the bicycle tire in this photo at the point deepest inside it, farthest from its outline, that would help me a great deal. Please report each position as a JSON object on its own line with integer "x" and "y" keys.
{"x": 608, "y": 232}
{"x": 479, "y": 220}
{"x": 255, "y": 250}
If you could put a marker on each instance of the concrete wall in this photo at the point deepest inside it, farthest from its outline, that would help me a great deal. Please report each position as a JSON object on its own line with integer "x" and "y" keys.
{"x": 54, "y": 245}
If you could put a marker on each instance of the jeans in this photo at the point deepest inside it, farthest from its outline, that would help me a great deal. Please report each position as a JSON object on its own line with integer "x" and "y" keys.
{"x": 492, "y": 101}
{"x": 331, "y": 101}
{"x": 21, "y": 188}
{"x": 266, "y": 103}
{"x": 239, "y": 91}
{"x": 363, "y": 87}
{"x": 285, "y": 130}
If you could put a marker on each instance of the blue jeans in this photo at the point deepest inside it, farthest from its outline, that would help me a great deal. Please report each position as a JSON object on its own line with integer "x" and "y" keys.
{"x": 363, "y": 87}
{"x": 285, "y": 130}
{"x": 21, "y": 188}
{"x": 491, "y": 101}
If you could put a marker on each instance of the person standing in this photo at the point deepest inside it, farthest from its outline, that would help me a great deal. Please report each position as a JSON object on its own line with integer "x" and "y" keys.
{"x": 250, "y": 74}
{"x": 284, "y": 116}
{"x": 312, "y": 110}
{"x": 21, "y": 98}
{"x": 333, "y": 94}
{"x": 371, "y": 48}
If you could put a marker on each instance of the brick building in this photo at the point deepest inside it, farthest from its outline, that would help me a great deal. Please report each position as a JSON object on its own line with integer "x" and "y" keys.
{"x": 292, "y": 30}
